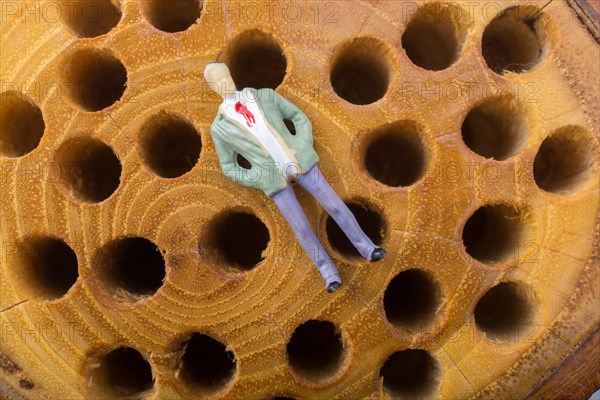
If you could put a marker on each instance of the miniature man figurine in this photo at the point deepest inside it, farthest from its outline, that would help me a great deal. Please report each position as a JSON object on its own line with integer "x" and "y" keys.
{"x": 251, "y": 123}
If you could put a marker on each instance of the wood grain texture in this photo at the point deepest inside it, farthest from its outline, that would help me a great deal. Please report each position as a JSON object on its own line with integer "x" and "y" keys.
{"x": 504, "y": 312}
{"x": 578, "y": 376}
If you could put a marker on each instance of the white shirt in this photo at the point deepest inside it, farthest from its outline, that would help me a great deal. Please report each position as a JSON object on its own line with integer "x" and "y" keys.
{"x": 242, "y": 108}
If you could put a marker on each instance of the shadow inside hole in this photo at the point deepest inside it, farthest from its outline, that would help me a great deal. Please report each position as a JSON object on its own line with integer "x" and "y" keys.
{"x": 90, "y": 18}
{"x": 395, "y": 155}
{"x": 412, "y": 300}
{"x": 516, "y": 40}
{"x": 130, "y": 268}
{"x": 170, "y": 144}
{"x": 435, "y": 37}
{"x": 172, "y": 15}
{"x": 496, "y": 128}
{"x": 48, "y": 266}
{"x": 411, "y": 374}
{"x": 123, "y": 373}
{"x": 360, "y": 73}
{"x": 316, "y": 350}
{"x": 565, "y": 161}
{"x": 206, "y": 365}
{"x": 290, "y": 126}
{"x": 494, "y": 233}
{"x": 505, "y": 312}
{"x": 242, "y": 161}
{"x": 21, "y": 125}
{"x": 88, "y": 169}
{"x": 237, "y": 239}
{"x": 369, "y": 220}
{"x": 255, "y": 60}
{"x": 96, "y": 77}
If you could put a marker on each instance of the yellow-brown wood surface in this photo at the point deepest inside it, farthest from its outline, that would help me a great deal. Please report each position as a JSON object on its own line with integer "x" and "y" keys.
{"x": 463, "y": 134}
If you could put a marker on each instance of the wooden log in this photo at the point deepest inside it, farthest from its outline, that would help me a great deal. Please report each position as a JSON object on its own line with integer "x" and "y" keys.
{"x": 463, "y": 135}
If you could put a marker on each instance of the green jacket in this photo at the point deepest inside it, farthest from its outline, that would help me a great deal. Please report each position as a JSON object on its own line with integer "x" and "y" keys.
{"x": 232, "y": 139}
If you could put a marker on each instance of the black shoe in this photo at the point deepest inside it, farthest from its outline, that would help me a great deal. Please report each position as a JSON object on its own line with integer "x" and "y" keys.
{"x": 333, "y": 286}
{"x": 378, "y": 254}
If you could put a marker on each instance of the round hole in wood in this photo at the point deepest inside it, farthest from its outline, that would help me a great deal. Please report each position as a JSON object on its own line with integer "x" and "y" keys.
{"x": 361, "y": 70}
{"x": 411, "y": 374}
{"x": 45, "y": 267}
{"x": 316, "y": 350}
{"x": 517, "y": 40}
{"x": 395, "y": 154}
{"x": 565, "y": 161}
{"x": 496, "y": 128}
{"x": 129, "y": 269}
{"x": 95, "y": 78}
{"x": 412, "y": 300}
{"x": 206, "y": 365}
{"x": 436, "y": 35}
{"x": 255, "y": 60}
{"x": 496, "y": 233}
{"x": 171, "y": 15}
{"x": 506, "y": 311}
{"x": 21, "y": 125}
{"x": 90, "y": 18}
{"x": 122, "y": 373}
{"x": 88, "y": 169}
{"x": 235, "y": 240}
{"x": 170, "y": 144}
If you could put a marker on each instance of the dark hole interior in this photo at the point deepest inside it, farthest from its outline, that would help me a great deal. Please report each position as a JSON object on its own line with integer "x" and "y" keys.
{"x": 505, "y": 311}
{"x": 493, "y": 233}
{"x": 290, "y": 125}
{"x": 515, "y": 41}
{"x": 172, "y": 15}
{"x": 369, "y": 220}
{"x": 95, "y": 79}
{"x": 206, "y": 364}
{"x": 21, "y": 125}
{"x": 360, "y": 73}
{"x": 411, "y": 374}
{"x": 170, "y": 145}
{"x": 565, "y": 161}
{"x": 242, "y": 161}
{"x": 131, "y": 268}
{"x": 412, "y": 300}
{"x": 435, "y": 36}
{"x": 256, "y": 60}
{"x": 124, "y": 373}
{"x": 239, "y": 239}
{"x": 495, "y": 128}
{"x": 396, "y": 156}
{"x": 90, "y": 18}
{"x": 50, "y": 265}
{"x": 316, "y": 349}
{"x": 88, "y": 168}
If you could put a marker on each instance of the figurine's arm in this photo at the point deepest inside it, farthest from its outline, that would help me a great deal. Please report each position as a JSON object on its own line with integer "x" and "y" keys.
{"x": 227, "y": 155}
{"x": 227, "y": 151}
{"x": 300, "y": 120}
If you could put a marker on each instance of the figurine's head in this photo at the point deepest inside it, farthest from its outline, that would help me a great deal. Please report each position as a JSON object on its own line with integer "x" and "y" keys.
{"x": 218, "y": 77}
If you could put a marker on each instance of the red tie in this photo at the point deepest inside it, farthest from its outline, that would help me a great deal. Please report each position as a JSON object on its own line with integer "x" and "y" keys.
{"x": 242, "y": 109}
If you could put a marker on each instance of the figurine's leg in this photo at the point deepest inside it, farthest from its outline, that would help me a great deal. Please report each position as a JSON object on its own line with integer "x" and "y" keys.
{"x": 314, "y": 182}
{"x": 292, "y": 211}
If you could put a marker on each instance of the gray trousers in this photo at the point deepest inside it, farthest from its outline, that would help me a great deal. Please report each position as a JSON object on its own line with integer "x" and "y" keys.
{"x": 314, "y": 183}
